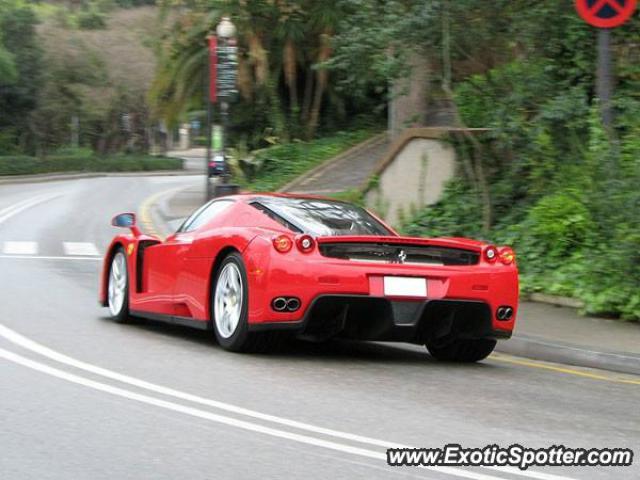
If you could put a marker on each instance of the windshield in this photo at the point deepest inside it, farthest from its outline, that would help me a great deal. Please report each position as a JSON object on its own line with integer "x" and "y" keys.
{"x": 322, "y": 218}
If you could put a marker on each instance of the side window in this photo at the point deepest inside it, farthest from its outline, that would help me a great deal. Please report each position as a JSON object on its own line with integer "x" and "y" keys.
{"x": 204, "y": 215}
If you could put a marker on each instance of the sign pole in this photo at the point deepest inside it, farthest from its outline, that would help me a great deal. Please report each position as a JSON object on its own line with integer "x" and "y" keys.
{"x": 605, "y": 15}
{"x": 604, "y": 82}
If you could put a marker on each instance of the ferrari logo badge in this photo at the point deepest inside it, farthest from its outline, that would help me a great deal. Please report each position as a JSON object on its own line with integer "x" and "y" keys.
{"x": 130, "y": 248}
{"x": 402, "y": 256}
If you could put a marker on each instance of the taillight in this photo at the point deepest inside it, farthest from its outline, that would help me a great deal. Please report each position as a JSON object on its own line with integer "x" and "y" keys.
{"x": 282, "y": 243}
{"x": 507, "y": 256}
{"x": 305, "y": 243}
{"x": 491, "y": 254}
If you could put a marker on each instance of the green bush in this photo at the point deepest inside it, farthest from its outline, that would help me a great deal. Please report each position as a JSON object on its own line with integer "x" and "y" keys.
{"x": 80, "y": 161}
{"x": 558, "y": 224}
{"x": 91, "y": 19}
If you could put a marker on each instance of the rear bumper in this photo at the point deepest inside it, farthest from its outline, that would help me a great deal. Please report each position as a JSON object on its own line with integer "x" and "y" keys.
{"x": 328, "y": 286}
{"x": 383, "y": 319}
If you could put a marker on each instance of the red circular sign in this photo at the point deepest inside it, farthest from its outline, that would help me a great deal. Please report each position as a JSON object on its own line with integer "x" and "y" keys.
{"x": 606, "y": 13}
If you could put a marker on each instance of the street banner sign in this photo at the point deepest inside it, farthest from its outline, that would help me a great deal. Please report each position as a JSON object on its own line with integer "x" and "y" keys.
{"x": 606, "y": 13}
{"x": 213, "y": 68}
{"x": 227, "y": 72}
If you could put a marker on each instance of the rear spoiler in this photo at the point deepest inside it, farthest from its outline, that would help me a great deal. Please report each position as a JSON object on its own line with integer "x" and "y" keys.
{"x": 463, "y": 244}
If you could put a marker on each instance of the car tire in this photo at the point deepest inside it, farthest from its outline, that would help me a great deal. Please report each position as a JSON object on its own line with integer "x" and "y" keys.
{"x": 462, "y": 350}
{"x": 230, "y": 312}
{"x": 118, "y": 287}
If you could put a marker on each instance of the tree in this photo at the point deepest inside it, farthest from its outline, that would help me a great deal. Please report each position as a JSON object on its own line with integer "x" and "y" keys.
{"x": 20, "y": 70}
{"x": 282, "y": 80}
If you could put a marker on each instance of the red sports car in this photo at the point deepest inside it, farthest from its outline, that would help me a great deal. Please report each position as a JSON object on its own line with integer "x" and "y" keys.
{"x": 257, "y": 266}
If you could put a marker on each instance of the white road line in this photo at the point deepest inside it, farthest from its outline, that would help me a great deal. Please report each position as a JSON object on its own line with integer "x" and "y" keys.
{"x": 194, "y": 412}
{"x": 20, "y": 248}
{"x": 28, "y": 344}
{"x": 80, "y": 249}
{"x": 52, "y": 257}
{"x": 16, "y": 208}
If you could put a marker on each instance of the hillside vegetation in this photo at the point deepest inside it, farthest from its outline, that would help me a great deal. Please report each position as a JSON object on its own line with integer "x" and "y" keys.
{"x": 550, "y": 179}
{"x": 66, "y": 74}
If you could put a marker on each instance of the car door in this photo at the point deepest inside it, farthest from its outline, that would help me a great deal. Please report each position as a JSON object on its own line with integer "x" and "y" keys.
{"x": 163, "y": 263}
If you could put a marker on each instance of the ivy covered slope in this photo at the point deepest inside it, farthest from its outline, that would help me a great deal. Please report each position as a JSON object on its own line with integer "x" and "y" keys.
{"x": 271, "y": 168}
{"x": 562, "y": 189}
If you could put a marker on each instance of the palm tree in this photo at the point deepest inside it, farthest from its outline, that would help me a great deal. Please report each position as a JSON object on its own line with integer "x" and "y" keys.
{"x": 279, "y": 42}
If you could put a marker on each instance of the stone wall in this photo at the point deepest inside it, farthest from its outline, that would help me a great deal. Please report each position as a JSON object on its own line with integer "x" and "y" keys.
{"x": 414, "y": 179}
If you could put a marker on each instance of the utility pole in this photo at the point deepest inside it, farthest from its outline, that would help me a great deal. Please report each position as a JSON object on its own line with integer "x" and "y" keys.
{"x": 211, "y": 99}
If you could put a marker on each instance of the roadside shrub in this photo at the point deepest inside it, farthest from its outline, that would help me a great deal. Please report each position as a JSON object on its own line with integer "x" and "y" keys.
{"x": 558, "y": 224}
{"x": 78, "y": 162}
{"x": 91, "y": 19}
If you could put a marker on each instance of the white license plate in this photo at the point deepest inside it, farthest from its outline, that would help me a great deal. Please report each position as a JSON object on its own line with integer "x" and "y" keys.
{"x": 405, "y": 287}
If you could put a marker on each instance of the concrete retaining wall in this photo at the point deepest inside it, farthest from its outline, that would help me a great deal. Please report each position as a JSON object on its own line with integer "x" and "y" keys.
{"x": 415, "y": 179}
{"x": 413, "y": 173}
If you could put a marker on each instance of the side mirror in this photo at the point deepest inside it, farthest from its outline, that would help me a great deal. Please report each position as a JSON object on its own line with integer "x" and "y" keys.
{"x": 125, "y": 220}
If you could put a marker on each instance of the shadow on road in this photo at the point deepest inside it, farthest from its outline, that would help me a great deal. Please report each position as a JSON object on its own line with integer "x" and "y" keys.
{"x": 295, "y": 349}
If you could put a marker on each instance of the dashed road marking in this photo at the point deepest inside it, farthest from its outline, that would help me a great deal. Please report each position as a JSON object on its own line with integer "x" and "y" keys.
{"x": 20, "y": 248}
{"x": 30, "y": 249}
{"x": 81, "y": 249}
{"x": 50, "y": 257}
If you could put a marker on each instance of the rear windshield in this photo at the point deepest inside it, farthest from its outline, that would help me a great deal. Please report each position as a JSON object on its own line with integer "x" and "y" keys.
{"x": 321, "y": 218}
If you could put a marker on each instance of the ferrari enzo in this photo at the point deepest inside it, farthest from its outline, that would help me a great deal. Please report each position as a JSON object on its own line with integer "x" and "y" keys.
{"x": 256, "y": 267}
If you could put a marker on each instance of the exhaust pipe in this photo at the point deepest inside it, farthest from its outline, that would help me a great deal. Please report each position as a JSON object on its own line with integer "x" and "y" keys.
{"x": 293, "y": 304}
{"x": 279, "y": 304}
{"x": 504, "y": 313}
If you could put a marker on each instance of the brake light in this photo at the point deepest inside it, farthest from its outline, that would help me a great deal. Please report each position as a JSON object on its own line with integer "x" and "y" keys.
{"x": 282, "y": 243}
{"x": 507, "y": 256}
{"x": 305, "y": 243}
{"x": 491, "y": 254}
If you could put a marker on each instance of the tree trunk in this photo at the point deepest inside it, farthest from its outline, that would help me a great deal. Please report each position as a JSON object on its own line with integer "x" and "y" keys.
{"x": 290, "y": 74}
{"x": 259, "y": 59}
{"x": 308, "y": 91}
{"x": 481, "y": 181}
{"x": 322, "y": 77}
{"x": 245, "y": 79}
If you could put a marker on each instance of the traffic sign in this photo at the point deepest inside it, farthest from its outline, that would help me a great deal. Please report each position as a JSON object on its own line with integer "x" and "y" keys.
{"x": 606, "y": 13}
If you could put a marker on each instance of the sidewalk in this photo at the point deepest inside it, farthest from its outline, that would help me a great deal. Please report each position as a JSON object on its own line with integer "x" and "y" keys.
{"x": 169, "y": 211}
{"x": 543, "y": 332}
{"x": 193, "y": 159}
{"x": 559, "y": 334}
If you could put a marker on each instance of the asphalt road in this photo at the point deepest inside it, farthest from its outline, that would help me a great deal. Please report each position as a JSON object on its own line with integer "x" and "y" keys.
{"x": 85, "y": 398}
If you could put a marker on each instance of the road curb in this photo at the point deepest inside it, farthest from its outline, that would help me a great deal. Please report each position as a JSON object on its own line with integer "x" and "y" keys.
{"x": 17, "y": 179}
{"x": 541, "y": 349}
{"x": 556, "y": 300}
{"x": 153, "y": 218}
